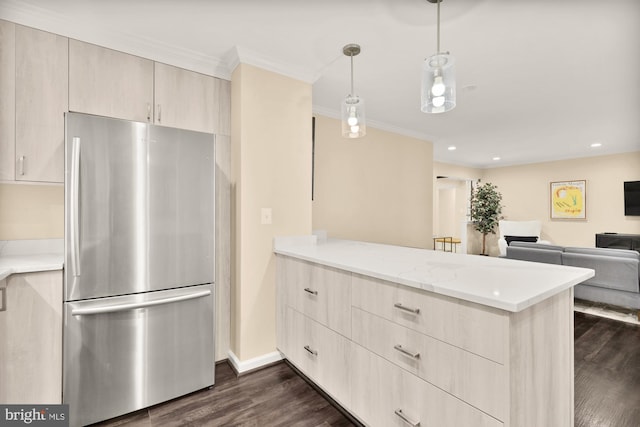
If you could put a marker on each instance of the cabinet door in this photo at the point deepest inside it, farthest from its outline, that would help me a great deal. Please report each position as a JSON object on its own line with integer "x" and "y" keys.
{"x": 109, "y": 83}
{"x": 184, "y": 99}
{"x": 321, "y": 293}
{"x": 475, "y": 379}
{"x": 41, "y": 100}
{"x": 473, "y": 327}
{"x": 7, "y": 100}
{"x": 31, "y": 344}
{"x": 319, "y": 353}
{"x": 385, "y": 395}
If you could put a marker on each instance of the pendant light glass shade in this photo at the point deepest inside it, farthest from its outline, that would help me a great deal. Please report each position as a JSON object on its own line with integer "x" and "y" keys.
{"x": 438, "y": 83}
{"x": 353, "y": 119}
{"x": 438, "y": 93}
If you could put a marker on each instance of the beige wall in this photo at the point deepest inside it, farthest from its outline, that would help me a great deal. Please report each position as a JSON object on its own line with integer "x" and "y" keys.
{"x": 525, "y": 191}
{"x": 377, "y": 188}
{"x": 271, "y": 168}
{"x": 31, "y": 211}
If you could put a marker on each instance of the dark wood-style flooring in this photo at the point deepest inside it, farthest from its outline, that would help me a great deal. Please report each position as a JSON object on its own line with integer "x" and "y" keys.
{"x": 273, "y": 396}
{"x": 607, "y": 389}
{"x": 607, "y": 372}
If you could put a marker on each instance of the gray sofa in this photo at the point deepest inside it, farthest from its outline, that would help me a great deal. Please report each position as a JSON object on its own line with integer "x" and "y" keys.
{"x": 617, "y": 271}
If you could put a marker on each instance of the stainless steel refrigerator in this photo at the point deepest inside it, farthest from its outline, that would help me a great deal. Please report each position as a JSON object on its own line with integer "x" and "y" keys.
{"x": 139, "y": 265}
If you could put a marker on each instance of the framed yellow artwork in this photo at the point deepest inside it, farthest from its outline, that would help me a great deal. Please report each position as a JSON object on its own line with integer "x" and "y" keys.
{"x": 568, "y": 200}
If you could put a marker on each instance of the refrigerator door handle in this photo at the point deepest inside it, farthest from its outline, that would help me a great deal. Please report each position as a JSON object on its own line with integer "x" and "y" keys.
{"x": 111, "y": 308}
{"x": 74, "y": 213}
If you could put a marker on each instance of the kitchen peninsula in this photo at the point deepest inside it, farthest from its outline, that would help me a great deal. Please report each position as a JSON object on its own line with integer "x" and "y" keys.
{"x": 405, "y": 336}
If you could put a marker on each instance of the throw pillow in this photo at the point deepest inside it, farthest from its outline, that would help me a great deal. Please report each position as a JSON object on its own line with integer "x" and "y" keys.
{"x": 510, "y": 239}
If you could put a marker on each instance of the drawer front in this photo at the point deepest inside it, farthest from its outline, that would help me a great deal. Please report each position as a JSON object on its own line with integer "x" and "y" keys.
{"x": 474, "y": 379}
{"x": 383, "y": 393}
{"x": 320, "y": 353}
{"x": 321, "y": 293}
{"x": 478, "y": 329}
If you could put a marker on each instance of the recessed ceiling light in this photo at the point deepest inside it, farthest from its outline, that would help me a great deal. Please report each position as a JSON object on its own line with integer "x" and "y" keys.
{"x": 596, "y": 145}
{"x": 451, "y": 147}
{"x": 496, "y": 158}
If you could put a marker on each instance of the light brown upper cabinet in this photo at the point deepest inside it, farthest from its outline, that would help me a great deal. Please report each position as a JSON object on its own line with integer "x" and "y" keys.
{"x": 222, "y": 106}
{"x": 109, "y": 83}
{"x": 115, "y": 84}
{"x": 7, "y": 100}
{"x": 184, "y": 99}
{"x": 41, "y": 99}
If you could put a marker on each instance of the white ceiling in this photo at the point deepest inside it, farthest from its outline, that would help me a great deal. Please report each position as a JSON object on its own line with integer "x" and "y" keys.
{"x": 537, "y": 80}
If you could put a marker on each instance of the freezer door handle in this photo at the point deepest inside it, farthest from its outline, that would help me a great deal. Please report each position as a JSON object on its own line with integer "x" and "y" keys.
{"x": 111, "y": 308}
{"x": 74, "y": 213}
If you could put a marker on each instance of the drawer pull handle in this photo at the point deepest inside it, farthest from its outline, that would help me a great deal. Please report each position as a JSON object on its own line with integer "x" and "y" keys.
{"x": 21, "y": 161}
{"x": 407, "y": 352}
{"x": 404, "y": 418}
{"x": 407, "y": 309}
{"x": 307, "y": 290}
{"x": 306, "y": 347}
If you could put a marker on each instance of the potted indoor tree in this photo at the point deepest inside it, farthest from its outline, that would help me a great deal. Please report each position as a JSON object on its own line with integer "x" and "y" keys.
{"x": 486, "y": 208}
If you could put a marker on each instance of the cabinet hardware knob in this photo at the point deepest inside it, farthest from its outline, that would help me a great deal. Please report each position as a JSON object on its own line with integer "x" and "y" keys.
{"x": 159, "y": 114}
{"x": 406, "y": 352}
{"x": 407, "y": 309}
{"x": 314, "y": 352}
{"x": 406, "y": 419}
{"x": 309, "y": 291}
{"x": 148, "y": 112}
{"x": 3, "y": 296}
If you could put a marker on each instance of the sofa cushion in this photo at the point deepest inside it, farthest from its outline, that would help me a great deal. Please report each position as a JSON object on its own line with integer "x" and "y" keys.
{"x": 510, "y": 239}
{"x": 537, "y": 246}
{"x": 548, "y": 256}
{"x": 625, "y": 253}
{"x": 610, "y": 271}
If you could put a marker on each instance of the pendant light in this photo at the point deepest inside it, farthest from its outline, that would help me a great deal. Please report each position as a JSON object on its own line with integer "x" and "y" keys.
{"x": 438, "y": 79}
{"x": 353, "y": 120}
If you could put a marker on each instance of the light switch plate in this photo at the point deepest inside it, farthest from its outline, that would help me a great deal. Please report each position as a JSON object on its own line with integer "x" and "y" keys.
{"x": 265, "y": 216}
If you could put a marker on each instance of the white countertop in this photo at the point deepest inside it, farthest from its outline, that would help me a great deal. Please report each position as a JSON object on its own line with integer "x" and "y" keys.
{"x": 28, "y": 256}
{"x": 496, "y": 282}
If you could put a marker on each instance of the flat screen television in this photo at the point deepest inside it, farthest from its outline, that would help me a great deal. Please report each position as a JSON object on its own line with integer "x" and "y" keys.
{"x": 632, "y": 198}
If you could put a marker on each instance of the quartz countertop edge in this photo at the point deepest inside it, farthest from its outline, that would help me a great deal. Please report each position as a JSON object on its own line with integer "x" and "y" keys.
{"x": 500, "y": 283}
{"x": 29, "y": 264}
{"x": 30, "y": 256}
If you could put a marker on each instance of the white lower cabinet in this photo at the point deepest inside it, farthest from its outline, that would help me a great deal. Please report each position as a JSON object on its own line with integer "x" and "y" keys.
{"x": 382, "y": 394}
{"x": 399, "y": 356}
{"x": 31, "y": 338}
{"x": 321, "y": 293}
{"x": 475, "y": 328}
{"x": 320, "y": 353}
{"x": 479, "y": 381}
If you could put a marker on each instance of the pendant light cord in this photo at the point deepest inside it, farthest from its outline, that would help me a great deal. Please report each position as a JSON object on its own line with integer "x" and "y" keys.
{"x": 351, "y": 74}
{"x": 438, "y": 50}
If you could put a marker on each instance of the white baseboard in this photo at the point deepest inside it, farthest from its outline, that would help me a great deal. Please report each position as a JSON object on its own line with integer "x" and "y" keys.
{"x": 243, "y": 366}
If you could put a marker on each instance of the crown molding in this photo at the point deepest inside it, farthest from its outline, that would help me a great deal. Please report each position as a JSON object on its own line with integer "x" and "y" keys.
{"x": 240, "y": 54}
{"x": 40, "y": 18}
{"x": 49, "y": 20}
{"x": 336, "y": 114}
